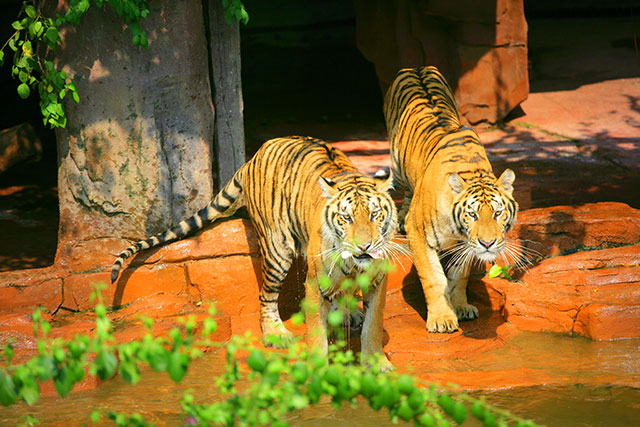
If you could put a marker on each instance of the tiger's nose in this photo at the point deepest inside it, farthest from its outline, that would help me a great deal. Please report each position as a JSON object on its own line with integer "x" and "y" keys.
{"x": 365, "y": 246}
{"x": 486, "y": 244}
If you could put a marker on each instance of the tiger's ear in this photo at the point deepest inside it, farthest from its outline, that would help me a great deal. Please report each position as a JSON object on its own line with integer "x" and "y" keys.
{"x": 384, "y": 179}
{"x": 328, "y": 187}
{"x": 506, "y": 180}
{"x": 457, "y": 183}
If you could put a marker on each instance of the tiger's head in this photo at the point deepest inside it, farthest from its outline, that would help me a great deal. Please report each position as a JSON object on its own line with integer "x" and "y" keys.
{"x": 483, "y": 211}
{"x": 359, "y": 218}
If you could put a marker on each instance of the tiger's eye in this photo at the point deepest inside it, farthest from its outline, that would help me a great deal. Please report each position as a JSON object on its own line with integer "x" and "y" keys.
{"x": 346, "y": 217}
{"x": 498, "y": 213}
{"x": 472, "y": 215}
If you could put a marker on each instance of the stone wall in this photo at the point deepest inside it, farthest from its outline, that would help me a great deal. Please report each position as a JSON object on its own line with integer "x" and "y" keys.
{"x": 479, "y": 46}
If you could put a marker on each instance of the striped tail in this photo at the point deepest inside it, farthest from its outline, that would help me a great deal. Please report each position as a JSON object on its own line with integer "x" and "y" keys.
{"x": 223, "y": 204}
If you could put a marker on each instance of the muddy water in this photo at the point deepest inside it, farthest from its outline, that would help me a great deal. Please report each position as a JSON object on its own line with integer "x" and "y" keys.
{"x": 598, "y": 389}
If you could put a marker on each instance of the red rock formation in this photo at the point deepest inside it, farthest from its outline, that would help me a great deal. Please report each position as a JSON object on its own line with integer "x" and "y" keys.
{"x": 587, "y": 286}
{"x": 479, "y": 46}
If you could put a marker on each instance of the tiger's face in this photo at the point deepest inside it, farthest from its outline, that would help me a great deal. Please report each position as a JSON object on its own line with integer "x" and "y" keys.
{"x": 483, "y": 211}
{"x": 359, "y": 219}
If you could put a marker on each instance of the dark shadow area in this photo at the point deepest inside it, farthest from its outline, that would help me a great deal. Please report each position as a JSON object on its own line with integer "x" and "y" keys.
{"x": 303, "y": 75}
{"x": 571, "y": 46}
{"x": 28, "y": 225}
{"x": 413, "y": 295}
{"x": 293, "y": 289}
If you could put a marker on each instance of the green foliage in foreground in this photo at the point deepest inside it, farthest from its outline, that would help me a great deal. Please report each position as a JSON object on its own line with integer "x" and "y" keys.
{"x": 264, "y": 390}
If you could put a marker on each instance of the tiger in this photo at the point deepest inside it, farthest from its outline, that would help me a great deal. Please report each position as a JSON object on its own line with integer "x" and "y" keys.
{"x": 305, "y": 197}
{"x": 454, "y": 206}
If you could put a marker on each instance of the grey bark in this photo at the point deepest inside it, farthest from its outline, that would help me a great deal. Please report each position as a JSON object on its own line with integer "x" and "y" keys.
{"x": 136, "y": 155}
{"x": 225, "y": 65}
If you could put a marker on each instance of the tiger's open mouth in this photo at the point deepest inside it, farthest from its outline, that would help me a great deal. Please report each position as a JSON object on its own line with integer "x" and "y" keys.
{"x": 364, "y": 256}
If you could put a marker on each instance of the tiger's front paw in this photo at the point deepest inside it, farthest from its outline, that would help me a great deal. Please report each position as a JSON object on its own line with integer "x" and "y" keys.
{"x": 276, "y": 336}
{"x": 447, "y": 323}
{"x": 385, "y": 365}
{"x": 379, "y": 361}
{"x": 466, "y": 312}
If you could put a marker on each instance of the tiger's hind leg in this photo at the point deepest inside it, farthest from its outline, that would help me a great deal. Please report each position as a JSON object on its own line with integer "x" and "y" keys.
{"x": 274, "y": 270}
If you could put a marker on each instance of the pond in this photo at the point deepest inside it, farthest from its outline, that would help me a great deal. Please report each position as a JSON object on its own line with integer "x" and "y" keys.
{"x": 597, "y": 392}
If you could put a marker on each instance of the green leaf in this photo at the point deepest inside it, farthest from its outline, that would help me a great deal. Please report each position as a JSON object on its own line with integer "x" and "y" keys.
{"x": 335, "y": 318}
{"x": 459, "y": 413}
{"x": 446, "y": 403}
{"x": 105, "y": 364}
{"x": 405, "y": 384}
{"x": 427, "y": 420}
{"x": 332, "y": 376}
{"x": 52, "y": 36}
{"x": 129, "y": 371}
{"x": 297, "y": 319}
{"x": 478, "y": 411}
{"x": 63, "y": 381}
{"x": 299, "y": 372}
{"x": 404, "y": 411}
{"x": 495, "y": 271}
{"x": 28, "y": 388}
{"x": 178, "y": 363}
{"x": 37, "y": 27}
{"x": 489, "y": 420}
{"x": 30, "y": 11}
{"x": 158, "y": 358}
{"x": 209, "y": 326}
{"x": 17, "y": 26}
{"x": 257, "y": 361}
{"x": 324, "y": 282}
{"x": 77, "y": 372}
{"x": 8, "y": 392}
{"x": 24, "y": 90}
{"x": 244, "y": 16}
{"x": 229, "y": 16}
{"x": 369, "y": 385}
{"x": 32, "y": 29}
{"x": 46, "y": 367}
{"x": 95, "y": 416}
{"x": 298, "y": 401}
{"x": 59, "y": 354}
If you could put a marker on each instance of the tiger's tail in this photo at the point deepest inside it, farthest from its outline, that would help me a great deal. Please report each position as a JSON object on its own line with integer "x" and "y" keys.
{"x": 225, "y": 203}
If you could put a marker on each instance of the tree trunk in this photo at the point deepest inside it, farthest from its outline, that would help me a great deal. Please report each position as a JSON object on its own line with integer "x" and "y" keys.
{"x": 136, "y": 155}
{"x": 225, "y": 66}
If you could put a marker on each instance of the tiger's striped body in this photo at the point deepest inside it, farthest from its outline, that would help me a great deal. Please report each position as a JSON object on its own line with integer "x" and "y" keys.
{"x": 305, "y": 197}
{"x": 454, "y": 205}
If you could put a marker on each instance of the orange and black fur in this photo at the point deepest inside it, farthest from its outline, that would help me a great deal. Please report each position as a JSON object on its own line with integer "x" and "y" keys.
{"x": 454, "y": 205}
{"x": 305, "y": 197}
